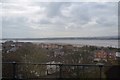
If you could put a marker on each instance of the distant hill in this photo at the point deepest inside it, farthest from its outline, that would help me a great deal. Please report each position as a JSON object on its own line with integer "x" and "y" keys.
{"x": 67, "y": 38}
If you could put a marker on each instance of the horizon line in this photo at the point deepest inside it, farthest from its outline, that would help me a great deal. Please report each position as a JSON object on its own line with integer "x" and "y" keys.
{"x": 37, "y": 38}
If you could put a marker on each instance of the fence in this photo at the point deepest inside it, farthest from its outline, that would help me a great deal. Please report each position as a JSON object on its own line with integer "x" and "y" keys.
{"x": 15, "y": 70}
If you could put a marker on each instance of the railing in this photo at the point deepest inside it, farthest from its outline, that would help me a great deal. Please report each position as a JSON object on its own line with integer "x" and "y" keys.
{"x": 50, "y": 71}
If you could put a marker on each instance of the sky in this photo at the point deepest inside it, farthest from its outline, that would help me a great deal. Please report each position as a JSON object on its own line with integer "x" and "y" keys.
{"x": 33, "y": 19}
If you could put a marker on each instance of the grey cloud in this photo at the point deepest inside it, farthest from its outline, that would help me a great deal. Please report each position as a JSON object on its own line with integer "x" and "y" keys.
{"x": 75, "y": 20}
{"x": 107, "y": 22}
{"x": 80, "y": 13}
{"x": 18, "y": 21}
{"x": 43, "y": 21}
{"x": 54, "y": 8}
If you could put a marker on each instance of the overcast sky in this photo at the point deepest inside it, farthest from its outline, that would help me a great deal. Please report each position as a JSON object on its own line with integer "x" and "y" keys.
{"x": 58, "y": 19}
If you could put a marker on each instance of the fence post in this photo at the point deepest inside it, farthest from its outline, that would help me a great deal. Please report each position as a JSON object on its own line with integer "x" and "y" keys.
{"x": 60, "y": 74}
{"x": 14, "y": 70}
{"x": 101, "y": 66}
{"x": 83, "y": 76}
{"x": 77, "y": 71}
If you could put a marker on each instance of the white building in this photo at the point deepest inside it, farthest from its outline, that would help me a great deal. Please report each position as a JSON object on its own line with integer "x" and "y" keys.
{"x": 52, "y": 68}
{"x": 117, "y": 54}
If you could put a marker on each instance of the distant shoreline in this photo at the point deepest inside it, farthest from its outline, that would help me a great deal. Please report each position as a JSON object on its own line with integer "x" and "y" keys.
{"x": 76, "y": 45}
{"x": 79, "y": 42}
{"x": 97, "y": 43}
{"x": 66, "y": 38}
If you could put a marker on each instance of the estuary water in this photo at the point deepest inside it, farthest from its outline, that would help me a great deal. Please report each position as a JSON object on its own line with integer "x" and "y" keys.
{"x": 101, "y": 43}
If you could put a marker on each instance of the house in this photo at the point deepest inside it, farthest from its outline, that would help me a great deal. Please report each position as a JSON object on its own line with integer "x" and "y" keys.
{"x": 117, "y": 54}
{"x": 118, "y": 57}
{"x": 52, "y": 68}
{"x": 104, "y": 55}
{"x": 10, "y": 46}
{"x": 100, "y": 55}
{"x": 58, "y": 52}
